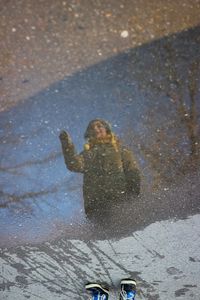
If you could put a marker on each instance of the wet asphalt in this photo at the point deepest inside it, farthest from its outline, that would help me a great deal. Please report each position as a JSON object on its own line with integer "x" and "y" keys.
{"x": 137, "y": 65}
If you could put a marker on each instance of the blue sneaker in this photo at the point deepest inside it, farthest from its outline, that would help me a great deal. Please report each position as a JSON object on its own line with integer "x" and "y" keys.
{"x": 128, "y": 289}
{"x": 97, "y": 291}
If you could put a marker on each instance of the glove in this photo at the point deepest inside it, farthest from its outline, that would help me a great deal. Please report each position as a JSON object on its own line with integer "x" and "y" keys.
{"x": 65, "y": 137}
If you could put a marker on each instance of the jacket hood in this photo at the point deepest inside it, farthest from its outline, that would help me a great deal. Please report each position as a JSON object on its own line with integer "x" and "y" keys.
{"x": 88, "y": 132}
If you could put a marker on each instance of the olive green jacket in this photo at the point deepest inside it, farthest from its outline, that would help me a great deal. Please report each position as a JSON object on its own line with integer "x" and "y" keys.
{"x": 108, "y": 172}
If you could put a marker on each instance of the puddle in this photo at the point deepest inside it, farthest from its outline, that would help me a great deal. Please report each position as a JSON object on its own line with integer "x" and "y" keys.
{"x": 40, "y": 199}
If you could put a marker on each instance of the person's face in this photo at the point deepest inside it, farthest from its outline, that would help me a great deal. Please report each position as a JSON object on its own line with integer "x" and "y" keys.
{"x": 99, "y": 130}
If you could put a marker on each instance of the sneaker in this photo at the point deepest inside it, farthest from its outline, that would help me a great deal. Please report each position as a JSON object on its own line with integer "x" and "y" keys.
{"x": 97, "y": 291}
{"x": 128, "y": 289}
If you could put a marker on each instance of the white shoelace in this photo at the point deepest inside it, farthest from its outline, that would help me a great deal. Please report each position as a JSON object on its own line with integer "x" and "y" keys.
{"x": 100, "y": 297}
{"x": 124, "y": 295}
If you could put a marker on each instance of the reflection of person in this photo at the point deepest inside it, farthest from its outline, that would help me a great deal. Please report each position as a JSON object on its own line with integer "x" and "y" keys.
{"x": 99, "y": 292}
{"x": 109, "y": 169}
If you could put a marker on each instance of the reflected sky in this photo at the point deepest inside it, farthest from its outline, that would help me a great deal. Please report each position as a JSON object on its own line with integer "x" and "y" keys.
{"x": 145, "y": 93}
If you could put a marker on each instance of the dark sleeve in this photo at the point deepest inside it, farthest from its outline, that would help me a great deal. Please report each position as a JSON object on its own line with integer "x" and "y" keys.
{"x": 73, "y": 161}
{"x": 131, "y": 171}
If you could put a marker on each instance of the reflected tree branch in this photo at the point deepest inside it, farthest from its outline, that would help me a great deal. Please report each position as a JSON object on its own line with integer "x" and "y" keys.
{"x": 13, "y": 198}
{"x": 47, "y": 159}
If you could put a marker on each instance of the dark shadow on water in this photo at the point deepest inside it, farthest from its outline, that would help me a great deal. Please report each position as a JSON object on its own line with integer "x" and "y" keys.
{"x": 149, "y": 94}
{"x": 177, "y": 201}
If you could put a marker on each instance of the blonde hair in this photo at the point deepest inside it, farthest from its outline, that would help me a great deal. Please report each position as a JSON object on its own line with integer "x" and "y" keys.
{"x": 109, "y": 139}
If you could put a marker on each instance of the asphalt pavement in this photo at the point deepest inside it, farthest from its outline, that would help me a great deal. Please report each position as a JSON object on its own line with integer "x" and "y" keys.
{"x": 137, "y": 65}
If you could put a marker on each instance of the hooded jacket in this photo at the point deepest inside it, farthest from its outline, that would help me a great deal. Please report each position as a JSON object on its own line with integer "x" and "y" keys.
{"x": 109, "y": 170}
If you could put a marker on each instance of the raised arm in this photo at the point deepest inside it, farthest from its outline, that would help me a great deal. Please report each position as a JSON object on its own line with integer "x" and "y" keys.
{"x": 73, "y": 161}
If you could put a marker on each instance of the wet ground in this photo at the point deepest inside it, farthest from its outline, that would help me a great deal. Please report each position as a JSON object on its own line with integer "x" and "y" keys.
{"x": 136, "y": 65}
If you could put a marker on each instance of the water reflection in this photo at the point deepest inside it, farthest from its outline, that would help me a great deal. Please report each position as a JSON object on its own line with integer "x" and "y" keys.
{"x": 150, "y": 95}
{"x": 110, "y": 171}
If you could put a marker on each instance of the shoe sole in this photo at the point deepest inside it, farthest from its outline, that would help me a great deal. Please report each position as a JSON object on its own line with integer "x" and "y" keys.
{"x": 128, "y": 281}
{"x": 96, "y": 285}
